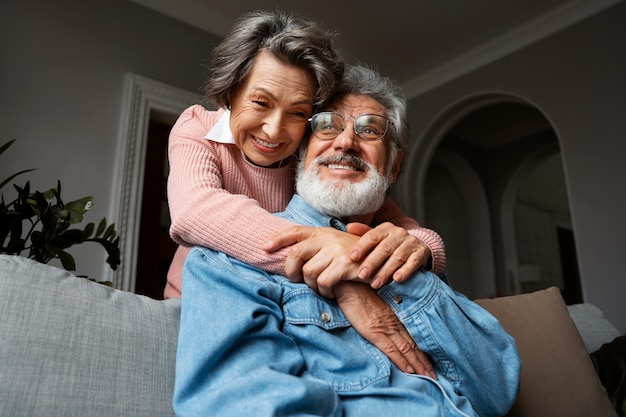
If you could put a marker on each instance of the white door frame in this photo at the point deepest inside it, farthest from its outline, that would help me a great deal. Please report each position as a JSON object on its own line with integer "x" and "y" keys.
{"x": 141, "y": 96}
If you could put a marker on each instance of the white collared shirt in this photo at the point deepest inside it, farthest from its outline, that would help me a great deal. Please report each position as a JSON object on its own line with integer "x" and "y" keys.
{"x": 221, "y": 132}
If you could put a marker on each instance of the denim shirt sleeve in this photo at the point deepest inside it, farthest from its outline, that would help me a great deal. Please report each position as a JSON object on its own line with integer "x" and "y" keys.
{"x": 232, "y": 358}
{"x": 467, "y": 344}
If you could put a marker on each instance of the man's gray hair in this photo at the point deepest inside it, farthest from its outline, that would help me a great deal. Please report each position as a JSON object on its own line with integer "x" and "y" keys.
{"x": 363, "y": 80}
{"x": 294, "y": 40}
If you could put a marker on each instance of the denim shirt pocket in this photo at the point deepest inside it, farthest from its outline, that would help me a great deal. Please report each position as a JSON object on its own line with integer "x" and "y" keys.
{"x": 331, "y": 348}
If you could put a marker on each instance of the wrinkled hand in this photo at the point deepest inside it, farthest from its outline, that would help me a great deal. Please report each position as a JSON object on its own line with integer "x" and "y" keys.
{"x": 319, "y": 256}
{"x": 376, "y": 322}
{"x": 387, "y": 252}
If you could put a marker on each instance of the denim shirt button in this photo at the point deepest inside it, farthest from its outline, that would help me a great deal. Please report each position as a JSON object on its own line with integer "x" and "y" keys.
{"x": 325, "y": 317}
{"x": 397, "y": 299}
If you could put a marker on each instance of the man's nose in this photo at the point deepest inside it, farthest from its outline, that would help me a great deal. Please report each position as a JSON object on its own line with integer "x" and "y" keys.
{"x": 347, "y": 139}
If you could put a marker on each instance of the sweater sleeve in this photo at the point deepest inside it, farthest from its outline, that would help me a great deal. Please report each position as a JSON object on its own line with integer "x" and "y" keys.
{"x": 391, "y": 212}
{"x": 204, "y": 213}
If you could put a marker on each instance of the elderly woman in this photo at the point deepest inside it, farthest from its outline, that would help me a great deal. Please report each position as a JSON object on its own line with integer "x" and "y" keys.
{"x": 230, "y": 168}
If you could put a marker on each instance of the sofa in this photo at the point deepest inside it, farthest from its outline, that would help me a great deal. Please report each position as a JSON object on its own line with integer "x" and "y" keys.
{"x": 73, "y": 347}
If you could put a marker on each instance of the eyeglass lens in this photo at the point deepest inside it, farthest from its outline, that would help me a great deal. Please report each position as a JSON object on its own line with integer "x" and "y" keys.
{"x": 369, "y": 127}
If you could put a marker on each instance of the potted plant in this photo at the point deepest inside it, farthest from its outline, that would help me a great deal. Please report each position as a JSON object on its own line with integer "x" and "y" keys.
{"x": 38, "y": 225}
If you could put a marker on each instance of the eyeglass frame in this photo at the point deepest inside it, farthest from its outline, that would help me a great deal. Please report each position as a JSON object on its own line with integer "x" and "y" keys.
{"x": 343, "y": 120}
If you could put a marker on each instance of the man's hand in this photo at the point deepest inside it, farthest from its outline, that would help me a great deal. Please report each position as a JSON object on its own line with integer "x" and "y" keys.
{"x": 387, "y": 252}
{"x": 375, "y": 321}
{"x": 319, "y": 256}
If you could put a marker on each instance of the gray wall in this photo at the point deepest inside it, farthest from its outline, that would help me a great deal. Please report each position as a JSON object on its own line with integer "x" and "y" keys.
{"x": 61, "y": 84}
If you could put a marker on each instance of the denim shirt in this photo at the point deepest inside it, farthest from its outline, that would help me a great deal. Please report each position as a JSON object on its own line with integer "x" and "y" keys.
{"x": 253, "y": 343}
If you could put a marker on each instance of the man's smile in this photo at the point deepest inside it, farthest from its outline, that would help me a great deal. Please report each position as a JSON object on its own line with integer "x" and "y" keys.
{"x": 343, "y": 162}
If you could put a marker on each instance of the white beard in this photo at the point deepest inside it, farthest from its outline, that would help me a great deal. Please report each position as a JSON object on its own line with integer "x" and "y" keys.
{"x": 341, "y": 198}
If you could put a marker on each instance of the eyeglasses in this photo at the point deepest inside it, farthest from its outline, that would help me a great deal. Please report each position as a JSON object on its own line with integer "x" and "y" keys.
{"x": 369, "y": 127}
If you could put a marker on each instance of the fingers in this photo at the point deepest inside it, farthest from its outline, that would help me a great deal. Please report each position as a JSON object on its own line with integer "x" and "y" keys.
{"x": 402, "y": 263}
{"x": 416, "y": 260}
{"x": 320, "y": 259}
{"x": 368, "y": 241}
{"x": 357, "y": 229}
{"x": 390, "y": 252}
{"x": 376, "y": 322}
{"x": 408, "y": 357}
{"x": 288, "y": 237}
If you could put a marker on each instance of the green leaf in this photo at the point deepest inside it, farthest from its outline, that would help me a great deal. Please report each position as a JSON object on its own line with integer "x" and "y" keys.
{"x": 50, "y": 194}
{"x": 8, "y": 180}
{"x": 60, "y": 212}
{"x": 35, "y": 207}
{"x": 78, "y": 208}
{"x": 110, "y": 232}
{"x": 67, "y": 261}
{"x": 88, "y": 230}
{"x": 101, "y": 226}
{"x": 15, "y": 246}
{"x": 113, "y": 250}
{"x": 68, "y": 238}
{"x": 37, "y": 238}
{"x": 6, "y": 146}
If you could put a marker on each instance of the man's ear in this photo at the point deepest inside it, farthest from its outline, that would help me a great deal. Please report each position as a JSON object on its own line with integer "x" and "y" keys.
{"x": 397, "y": 165}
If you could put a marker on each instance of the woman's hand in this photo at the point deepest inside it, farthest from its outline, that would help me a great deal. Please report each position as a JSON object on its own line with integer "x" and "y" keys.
{"x": 387, "y": 252}
{"x": 376, "y": 322}
{"x": 319, "y": 256}
{"x": 324, "y": 256}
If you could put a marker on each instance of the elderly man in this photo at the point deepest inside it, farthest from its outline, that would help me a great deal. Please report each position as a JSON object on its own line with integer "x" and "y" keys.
{"x": 260, "y": 345}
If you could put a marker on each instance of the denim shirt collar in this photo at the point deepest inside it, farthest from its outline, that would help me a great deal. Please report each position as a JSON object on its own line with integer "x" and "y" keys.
{"x": 301, "y": 212}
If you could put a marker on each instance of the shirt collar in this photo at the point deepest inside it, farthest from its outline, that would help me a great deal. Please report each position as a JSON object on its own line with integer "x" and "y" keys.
{"x": 301, "y": 212}
{"x": 221, "y": 131}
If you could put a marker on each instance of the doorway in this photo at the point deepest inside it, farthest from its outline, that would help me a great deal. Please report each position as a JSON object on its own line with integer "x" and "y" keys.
{"x": 156, "y": 249}
{"x": 143, "y": 99}
{"x": 482, "y": 164}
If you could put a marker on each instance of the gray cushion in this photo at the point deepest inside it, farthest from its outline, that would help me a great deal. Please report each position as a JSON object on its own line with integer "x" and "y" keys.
{"x": 71, "y": 347}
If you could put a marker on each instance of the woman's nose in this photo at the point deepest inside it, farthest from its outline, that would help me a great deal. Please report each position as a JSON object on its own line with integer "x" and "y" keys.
{"x": 273, "y": 125}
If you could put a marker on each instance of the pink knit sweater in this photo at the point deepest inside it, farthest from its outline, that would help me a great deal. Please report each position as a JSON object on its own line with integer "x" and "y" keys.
{"x": 220, "y": 200}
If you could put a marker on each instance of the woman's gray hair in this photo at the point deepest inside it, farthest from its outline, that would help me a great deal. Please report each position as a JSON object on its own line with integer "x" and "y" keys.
{"x": 363, "y": 80}
{"x": 294, "y": 40}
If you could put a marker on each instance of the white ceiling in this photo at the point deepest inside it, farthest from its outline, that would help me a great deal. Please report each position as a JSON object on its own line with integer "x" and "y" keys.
{"x": 420, "y": 43}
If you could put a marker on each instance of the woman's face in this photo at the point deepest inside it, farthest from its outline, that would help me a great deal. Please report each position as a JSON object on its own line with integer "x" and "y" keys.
{"x": 270, "y": 109}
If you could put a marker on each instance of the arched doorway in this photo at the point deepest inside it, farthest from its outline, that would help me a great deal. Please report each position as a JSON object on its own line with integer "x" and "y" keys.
{"x": 491, "y": 183}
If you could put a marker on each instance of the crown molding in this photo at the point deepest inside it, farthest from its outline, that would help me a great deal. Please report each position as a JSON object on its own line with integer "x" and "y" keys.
{"x": 512, "y": 41}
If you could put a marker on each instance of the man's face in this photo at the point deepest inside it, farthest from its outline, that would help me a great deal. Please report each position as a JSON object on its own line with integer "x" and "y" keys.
{"x": 347, "y": 176}
{"x": 347, "y": 142}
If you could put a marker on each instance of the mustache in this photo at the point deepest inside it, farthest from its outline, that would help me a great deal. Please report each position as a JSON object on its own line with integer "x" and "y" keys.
{"x": 342, "y": 157}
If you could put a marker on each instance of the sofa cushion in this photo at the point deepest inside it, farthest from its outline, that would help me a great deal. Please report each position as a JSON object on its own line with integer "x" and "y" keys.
{"x": 72, "y": 347}
{"x": 558, "y": 377}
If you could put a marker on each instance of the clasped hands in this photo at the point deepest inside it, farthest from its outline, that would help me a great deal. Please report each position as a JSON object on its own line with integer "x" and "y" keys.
{"x": 339, "y": 265}
{"x": 323, "y": 256}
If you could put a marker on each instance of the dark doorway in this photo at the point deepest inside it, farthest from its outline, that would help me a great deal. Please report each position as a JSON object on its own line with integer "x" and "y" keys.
{"x": 155, "y": 248}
